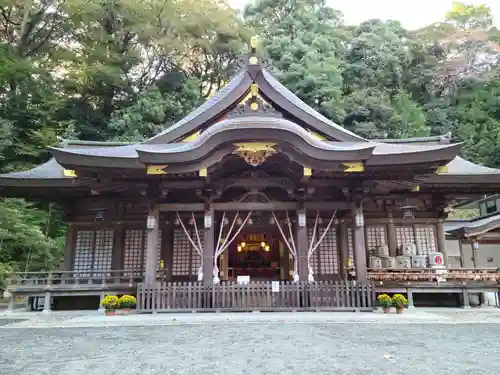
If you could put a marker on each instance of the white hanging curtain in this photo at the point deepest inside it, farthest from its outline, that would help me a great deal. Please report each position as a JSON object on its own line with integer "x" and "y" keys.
{"x": 198, "y": 247}
{"x": 223, "y": 244}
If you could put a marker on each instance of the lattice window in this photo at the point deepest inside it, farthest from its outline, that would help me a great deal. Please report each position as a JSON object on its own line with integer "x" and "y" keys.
{"x": 350, "y": 244}
{"x": 103, "y": 251}
{"x": 181, "y": 254}
{"x": 328, "y": 252}
{"x": 133, "y": 257}
{"x": 314, "y": 256}
{"x": 404, "y": 235}
{"x": 84, "y": 252}
{"x": 375, "y": 236}
{"x": 426, "y": 239}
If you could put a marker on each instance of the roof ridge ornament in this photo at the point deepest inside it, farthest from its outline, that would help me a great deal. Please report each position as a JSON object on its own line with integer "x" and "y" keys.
{"x": 252, "y": 62}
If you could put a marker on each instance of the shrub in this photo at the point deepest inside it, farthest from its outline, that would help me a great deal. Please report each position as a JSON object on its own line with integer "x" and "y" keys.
{"x": 110, "y": 303}
{"x": 384, "y": 300}
{"x": 126, "y": 301}
{"x": 399, "y": 300}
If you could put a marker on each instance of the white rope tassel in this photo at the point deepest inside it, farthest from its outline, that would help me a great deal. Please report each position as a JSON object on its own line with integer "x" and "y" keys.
{"x": 310, "y": 271}
{"x": 292, "y": 250}
{"x": 198, "y": 250}
{"x": 312, "y": 248}
{"x": 226, "y": 243}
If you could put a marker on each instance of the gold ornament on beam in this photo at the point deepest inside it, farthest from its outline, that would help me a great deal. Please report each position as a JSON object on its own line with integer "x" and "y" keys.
{"x": 255, "y": 153}
{"x": 156, "y": 169}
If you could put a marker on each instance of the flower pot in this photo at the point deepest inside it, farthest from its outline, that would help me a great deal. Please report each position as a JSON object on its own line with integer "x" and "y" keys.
{"x": 110, "y": 313}
{"x": 126, "y": 311}
{"x": 386, "y": 310}
{"x": 400, "y": 309}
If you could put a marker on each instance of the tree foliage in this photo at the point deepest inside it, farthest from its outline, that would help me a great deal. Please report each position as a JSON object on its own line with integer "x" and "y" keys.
{"x": 126, "y": 69}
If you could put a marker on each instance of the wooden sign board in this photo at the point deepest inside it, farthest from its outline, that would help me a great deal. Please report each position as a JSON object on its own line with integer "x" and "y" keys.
{"x": 275, "y": 286}
{"x": 243, "y": 279}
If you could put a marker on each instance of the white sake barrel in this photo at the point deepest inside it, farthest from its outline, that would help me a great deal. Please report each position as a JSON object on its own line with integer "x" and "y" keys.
{"x": 419, "y": 261}
{"x": 403, "y": 261}
{"x": 436, "y": 260}
{"x": 389, "y": 262}
{"x": 375, "y": 262}
{"x": 409, "y": 249}
{"x": 383, "y": 251}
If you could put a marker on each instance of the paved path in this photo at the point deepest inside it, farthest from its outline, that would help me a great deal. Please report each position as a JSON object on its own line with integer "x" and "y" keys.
{"x": 451, "y": 342}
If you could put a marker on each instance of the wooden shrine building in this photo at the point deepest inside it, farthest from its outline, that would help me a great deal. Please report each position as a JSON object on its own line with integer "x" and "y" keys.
{"x": 252, "y": 184}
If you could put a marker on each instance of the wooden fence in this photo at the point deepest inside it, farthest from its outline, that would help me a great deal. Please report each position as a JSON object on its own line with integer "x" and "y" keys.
{"x": 256, "y": 296}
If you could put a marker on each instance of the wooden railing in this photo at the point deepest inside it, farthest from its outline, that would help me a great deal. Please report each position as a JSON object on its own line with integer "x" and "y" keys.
{"x": 485, "y": 275}
{"x": 22, "y": 282}
{"x": 255, "y": 296}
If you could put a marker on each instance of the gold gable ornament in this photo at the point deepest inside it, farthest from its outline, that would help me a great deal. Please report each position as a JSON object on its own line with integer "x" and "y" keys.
{"x": 354, "y": 167}
{"x": 156, "y": 169}
{"x": 255, "y": 153}
{"x": 69, "y": 173}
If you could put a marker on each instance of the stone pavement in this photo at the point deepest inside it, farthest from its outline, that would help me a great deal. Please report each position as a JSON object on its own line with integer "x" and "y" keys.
{"x": 418, "y": 342}
{"x": 74, "y": 319}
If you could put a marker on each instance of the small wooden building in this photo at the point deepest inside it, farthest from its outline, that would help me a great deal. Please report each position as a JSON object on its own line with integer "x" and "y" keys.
{"x": 254, "y": 184}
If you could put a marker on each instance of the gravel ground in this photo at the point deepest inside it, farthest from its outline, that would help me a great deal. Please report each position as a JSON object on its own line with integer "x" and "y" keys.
{"x": 211, "y": 345}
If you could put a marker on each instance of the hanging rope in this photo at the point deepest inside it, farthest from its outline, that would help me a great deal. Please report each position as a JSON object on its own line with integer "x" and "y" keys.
{"x": 291, "y": 248}
{"x": 313, "y": 246}
{"x": 198, "y": 249}
{"x": 225, "y": 244}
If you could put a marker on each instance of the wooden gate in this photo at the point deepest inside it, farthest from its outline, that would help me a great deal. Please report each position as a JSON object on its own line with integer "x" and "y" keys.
{"x": 256, "y": 296}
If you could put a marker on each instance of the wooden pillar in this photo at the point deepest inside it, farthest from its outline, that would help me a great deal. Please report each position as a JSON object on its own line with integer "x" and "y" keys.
{"x": 152, "y": 243}
{"x": 344, "y": 248}
{"x": 284, "y": 262}
{"x": 359, "y": 244}
{"x": 168, "y": 250}
{"x": 118, "y": 248}
{"x": 391, "y": 236}
{"x": 47, "y": 302}
{"x": 410, "y": 299}
{"x": 208, "y": 246}
{"x": 69, "y": 248}
{"x": 441, "y": 241}
{"x": 302, "y": 245}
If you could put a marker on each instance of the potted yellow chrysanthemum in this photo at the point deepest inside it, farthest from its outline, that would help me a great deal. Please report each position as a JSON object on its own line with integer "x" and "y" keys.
{"x": 126, "y": 302}
{"x": 110, "y": 304}
{"x": 385, "y": 301}
{"x": 400, "y": 302}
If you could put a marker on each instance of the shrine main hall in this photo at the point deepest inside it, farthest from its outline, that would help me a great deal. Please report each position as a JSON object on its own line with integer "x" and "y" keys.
{"x": 253, "y": 185}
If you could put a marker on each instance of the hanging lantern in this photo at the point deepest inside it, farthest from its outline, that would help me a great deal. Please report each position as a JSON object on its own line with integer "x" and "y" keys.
{"x": 191, "y": 221}
{"x": 226, "y": 221}
{"x": 177, "y": 222}
{"x": 239, "y": 221}
{"x": 250, "y": 221}
{"x": 272, "y": 221}
{"x": 408, "y": 212}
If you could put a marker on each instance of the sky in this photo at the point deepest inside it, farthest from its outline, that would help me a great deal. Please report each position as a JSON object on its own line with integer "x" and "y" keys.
{"x": 413, "y": 14}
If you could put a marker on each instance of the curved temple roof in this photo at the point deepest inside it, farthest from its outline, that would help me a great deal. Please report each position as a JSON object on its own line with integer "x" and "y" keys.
{"x": 259, "y": 129}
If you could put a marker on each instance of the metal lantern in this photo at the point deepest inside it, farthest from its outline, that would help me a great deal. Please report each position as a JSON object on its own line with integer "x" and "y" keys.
{"x": 151, "y": 222}
{"x": 208, "y": 220}
{"x": 408, "y": 212}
